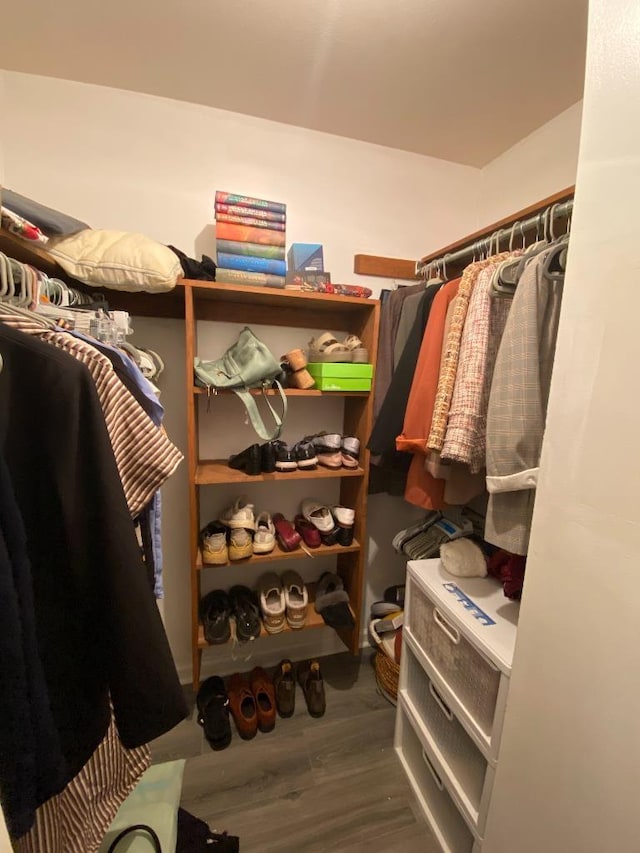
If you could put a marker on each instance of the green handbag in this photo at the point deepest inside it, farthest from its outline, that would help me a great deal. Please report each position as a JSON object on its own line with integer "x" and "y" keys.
{"x": 247, "y": 364}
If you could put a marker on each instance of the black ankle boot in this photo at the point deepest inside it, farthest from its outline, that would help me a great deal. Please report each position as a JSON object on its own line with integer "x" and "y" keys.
{"x": 247, "y": 461}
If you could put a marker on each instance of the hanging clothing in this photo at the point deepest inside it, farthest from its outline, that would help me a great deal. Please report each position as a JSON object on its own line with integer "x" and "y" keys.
{"x": 446, "y": 382}
{"x": 518, "y": 406}
{"x": 100, "y": 636}
{"x": 410, "y": 308}
{"x": 467, "y": 424}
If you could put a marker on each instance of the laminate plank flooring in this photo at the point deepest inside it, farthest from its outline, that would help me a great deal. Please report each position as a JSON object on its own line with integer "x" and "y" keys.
{"x": 333, "y": 784}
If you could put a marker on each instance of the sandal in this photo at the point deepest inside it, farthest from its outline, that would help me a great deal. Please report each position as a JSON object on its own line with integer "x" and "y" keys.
{"x": 327, "y": 349}
{"x": 359, "y": 353}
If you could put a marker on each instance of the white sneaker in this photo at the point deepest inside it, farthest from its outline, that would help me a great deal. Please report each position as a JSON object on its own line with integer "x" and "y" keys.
{"x": 272, "y": 603}
{"x": 264, "y": 540}
{"x": 240, "y": 514}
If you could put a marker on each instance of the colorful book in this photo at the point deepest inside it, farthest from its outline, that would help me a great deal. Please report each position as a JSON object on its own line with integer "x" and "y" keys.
{"x": 235, "y": 247}
{"x": 247, "y": 201}
{"x": 253, "y": 279}
{"x": 249, "y": 220}
{"x": 250, "y": 264}
{"x": 255, "y": 212}
{"x": 246, "y": 234}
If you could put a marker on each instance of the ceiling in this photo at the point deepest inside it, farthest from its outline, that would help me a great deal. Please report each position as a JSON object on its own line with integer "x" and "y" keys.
{"x": 462, "y": 80}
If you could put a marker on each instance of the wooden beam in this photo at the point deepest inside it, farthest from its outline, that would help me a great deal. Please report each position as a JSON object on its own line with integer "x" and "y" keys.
{"x": 384, "y": 267}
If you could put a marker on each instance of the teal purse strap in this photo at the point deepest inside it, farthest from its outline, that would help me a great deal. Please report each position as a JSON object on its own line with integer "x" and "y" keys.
{"x": 254, "y": 415}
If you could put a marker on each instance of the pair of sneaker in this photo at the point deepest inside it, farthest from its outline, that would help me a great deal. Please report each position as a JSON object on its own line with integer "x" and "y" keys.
{"x": 283, "y": 601}
{"x": 237, "y": 534}
{"x": 336, "y": 451}
{"x": 297, "y": 456}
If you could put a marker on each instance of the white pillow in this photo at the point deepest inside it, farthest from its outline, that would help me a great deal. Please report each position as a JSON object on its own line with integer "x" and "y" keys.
{"x": 120, "y": 260}
{"x": 463, "y": 558}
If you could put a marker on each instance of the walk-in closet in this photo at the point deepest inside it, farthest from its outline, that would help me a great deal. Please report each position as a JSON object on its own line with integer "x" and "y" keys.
{"x": 318, "y": 528}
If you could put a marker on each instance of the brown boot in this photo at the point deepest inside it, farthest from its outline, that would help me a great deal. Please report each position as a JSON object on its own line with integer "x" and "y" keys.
{"x": 265, "y": 699}
{"x": 310, "y": 679}
{"x": 242, "y": 706}
{"x": 284, "y": 685}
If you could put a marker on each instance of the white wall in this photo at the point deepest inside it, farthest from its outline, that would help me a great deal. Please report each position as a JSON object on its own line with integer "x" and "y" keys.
{"x": 128, "y": 161}
{"x": 569, "y": 769}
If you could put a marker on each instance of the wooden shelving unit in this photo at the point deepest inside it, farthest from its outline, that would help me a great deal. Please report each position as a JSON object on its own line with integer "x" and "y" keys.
{"x": 263, "y": 306}
{"x": 279, "y": 554}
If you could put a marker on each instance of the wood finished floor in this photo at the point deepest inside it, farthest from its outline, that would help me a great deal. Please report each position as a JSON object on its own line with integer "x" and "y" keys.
{"x": 333, "y": 784}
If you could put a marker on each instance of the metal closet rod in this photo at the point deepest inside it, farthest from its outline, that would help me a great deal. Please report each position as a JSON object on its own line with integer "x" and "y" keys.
{"x": 544, "y": 220}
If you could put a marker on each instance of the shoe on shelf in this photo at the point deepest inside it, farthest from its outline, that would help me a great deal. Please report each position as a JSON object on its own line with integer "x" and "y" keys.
{"x": 284, "y": 685}
{"x": 329, "y": 449}
{"x": 268, "y": 457}
{"x": 320, "y": 516}
{"x": 305, "y": 454}
{"x": 332, "y": 601}
{"x": 295, "y": 358}
{"x": 264, "y": 697}
{"x": 309, "y": 532}
{"x": 242, "y": 706}
{"x": 345, "y": 519}
{"x": 264, "y": 539}
{"x": 312, "y": 684}
{"x": 359, "y": 353}
{"x": 239, "y": 514}
{"x": 301, "y": 379}
{"x": 214, "y": 611}
{"x": 246, "y": 612}
{"x": 285, "y": 458}
{"x": 213, "y": 712}
{"x": 240, "y": 544}
{"x": 350, "y": 451}
{"x": 296, "y": 599}
{"x": 213, "y": 544}
{"x": 272, "y": 603}
{"x": 325, "y": 348}
{"x": 288, "y": 537}
{"x": 248, "y": 460}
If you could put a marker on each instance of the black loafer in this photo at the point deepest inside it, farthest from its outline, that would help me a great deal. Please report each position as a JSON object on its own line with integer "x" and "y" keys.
{"x": 213, "y": 712}
{"x": 247, "y": 613}
{"x": 215, "y": 610}
{"x": 268, "y": 457}
{"x": 248, "y": 460}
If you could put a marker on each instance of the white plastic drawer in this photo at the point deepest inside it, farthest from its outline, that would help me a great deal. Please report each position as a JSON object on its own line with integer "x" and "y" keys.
{"x": 469, "y": 769}
{"x": 445, "y": 820}
{"x": 468, "y": 673}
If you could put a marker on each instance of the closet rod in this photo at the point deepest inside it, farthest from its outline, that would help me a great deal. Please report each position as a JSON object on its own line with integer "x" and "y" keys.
{"x": 557, "y": 211}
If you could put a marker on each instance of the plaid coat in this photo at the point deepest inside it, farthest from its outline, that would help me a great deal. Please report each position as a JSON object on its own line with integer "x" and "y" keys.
{"x": 518, "y": 407}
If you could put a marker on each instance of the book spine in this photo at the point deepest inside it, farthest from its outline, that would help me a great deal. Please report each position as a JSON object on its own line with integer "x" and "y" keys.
{"x": 249, "y": 220}
{"x": 246, "y": 234}
{"x": 250, "y": 264}
{"x": 256, "y": 213}
{"x": 254, "y": 279}
{"x": 234, "y": 247}
{"x": 247, "y": 201}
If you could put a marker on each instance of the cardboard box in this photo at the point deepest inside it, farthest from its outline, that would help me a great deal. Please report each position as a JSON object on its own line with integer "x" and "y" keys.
{"x": 303, "y": 257}
{"x": 341, "y": 376}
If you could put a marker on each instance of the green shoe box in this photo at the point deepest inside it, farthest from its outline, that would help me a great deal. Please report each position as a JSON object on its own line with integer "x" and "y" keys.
{"x": 341, "y": 376}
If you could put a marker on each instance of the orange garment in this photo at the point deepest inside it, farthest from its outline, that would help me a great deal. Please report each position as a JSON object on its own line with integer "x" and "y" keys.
{"x": 422, "y": 488}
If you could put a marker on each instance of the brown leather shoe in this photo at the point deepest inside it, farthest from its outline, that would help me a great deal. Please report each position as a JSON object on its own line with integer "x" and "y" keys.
{"x": 242, "y": 706}
{"x": 284, "y": 685}
{"x": 265, "y": 699}
{"x": 310, "y": 679}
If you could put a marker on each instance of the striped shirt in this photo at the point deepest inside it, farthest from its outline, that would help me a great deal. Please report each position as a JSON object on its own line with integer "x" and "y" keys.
{"x": 144, "y": 454}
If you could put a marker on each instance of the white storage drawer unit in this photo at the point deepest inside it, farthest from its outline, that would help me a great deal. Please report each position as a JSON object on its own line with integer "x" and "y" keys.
{"x": 459, "y": 636}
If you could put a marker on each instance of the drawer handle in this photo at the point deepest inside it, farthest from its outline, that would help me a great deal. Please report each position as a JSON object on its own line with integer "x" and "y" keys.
{"x": 446, "y": 627}
{"x": 432, "y": 770}
{"x": 446, "y": 710}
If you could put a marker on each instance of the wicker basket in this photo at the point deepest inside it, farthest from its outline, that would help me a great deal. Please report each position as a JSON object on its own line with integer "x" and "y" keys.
{"x": 387, "y": 675}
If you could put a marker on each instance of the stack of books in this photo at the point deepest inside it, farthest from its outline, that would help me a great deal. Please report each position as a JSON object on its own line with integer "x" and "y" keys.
{"x": 250, "y": 240}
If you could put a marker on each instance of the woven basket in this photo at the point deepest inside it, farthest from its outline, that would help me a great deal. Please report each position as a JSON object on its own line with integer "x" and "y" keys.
{"x": 387, "y": 675}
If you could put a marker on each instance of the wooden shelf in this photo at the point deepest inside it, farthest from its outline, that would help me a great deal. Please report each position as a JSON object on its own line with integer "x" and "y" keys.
{"x": 279, "y": 554}
{"x": 314, "y": 620}
{"x": 217, "y": 472}
{"x": 275, "y": 297}
{"x": 290, "y": 392}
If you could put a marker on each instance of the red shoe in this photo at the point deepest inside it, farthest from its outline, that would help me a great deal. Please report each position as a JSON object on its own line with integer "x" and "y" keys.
{"x": 288, "y": 538}
{"x": 309, "y": 533}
